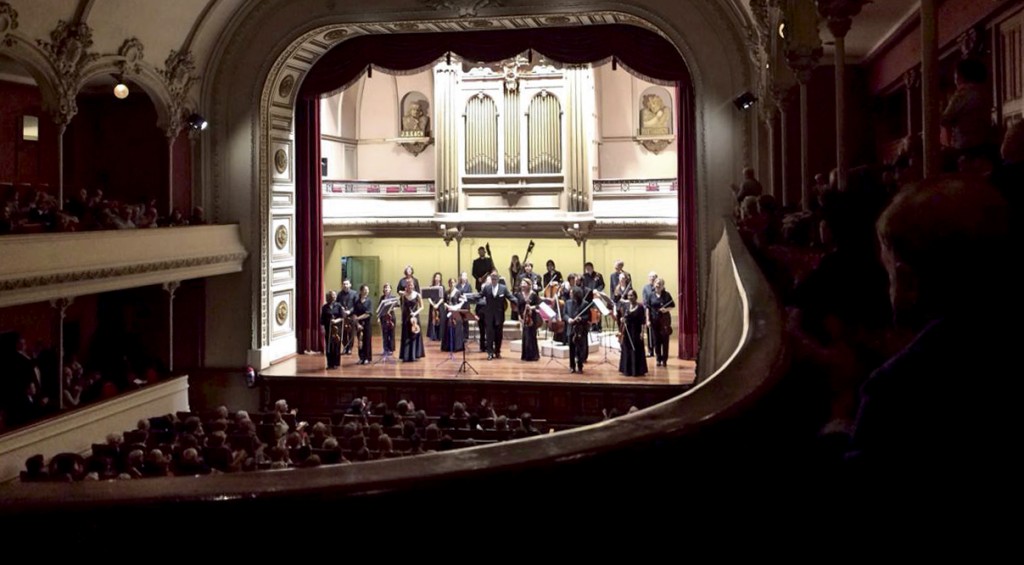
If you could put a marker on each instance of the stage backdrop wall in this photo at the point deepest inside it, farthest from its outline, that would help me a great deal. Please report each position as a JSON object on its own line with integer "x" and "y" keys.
{"x": 428, "y": 255}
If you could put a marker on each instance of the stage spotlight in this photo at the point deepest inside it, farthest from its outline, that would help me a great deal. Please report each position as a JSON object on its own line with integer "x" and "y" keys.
{"x": 197, "y": 122}
{"x": 744, "y": 101}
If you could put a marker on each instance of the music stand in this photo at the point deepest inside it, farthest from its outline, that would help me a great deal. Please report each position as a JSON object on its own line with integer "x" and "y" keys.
{"x": 385, "y": 356}
{"x": 605, "y": 314}
{"x": 548, "y": 317}
{"x": 458, "y": 316}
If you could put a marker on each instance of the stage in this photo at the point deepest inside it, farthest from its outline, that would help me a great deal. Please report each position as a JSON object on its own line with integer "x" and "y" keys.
{"x": 545, "y": 388}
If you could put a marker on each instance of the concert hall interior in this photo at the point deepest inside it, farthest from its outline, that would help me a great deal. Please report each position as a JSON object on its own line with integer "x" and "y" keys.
{"x": 813, "y": 201}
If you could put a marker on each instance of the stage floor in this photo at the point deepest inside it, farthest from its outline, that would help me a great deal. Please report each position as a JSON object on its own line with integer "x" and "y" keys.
{"x": 438, "y": 366}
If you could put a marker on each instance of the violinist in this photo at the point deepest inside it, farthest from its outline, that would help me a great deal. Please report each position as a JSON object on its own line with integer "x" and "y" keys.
{"x": 577, "y": 320}
{"x": 515, "y": 272}
{"x": 412, "y": 337}
{"x": 452, "y": 335}
{"x": 362, "y": 311}
{"x": 658, "y": 304}
{"x": 623, "y": 284}
{"x": 386, "y": 315}
{"x": 464, "y": 289}
{"x": 434, "y": 327}
{"x": 633, "y": 362}
{"x": 648, "y": 289}
{"x": 528, "y": 301}
{"x": 552, "y": 274}
{"x": 330, "y": 317}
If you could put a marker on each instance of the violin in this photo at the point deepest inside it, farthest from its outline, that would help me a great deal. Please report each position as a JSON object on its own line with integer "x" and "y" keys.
{"x": 414, "y": 326}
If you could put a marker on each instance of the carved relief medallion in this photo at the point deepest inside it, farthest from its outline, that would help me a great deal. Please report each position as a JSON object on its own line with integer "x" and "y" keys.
{"x": 281, "y": 237}
{"x": 284, "y": 90}
{"x": 282, "y": 313}
{"x": 280, "y": 161}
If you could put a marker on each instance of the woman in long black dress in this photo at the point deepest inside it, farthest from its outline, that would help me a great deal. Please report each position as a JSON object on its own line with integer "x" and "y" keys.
{"x": 362, "y": 312}
{"x": 633, "y": 362}
{"x": 515, "y": 269}
{"x": 452, "y": 336}
{"x": 387, "y": 320}
{"x": 658, "y": 304}
{"x": 412, "y": 337}
{"x": 527, "y": 302}
{"x": 434, "y": 321}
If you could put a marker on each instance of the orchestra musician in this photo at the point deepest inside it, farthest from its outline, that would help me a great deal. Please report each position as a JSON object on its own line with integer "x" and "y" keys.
{"x": 434, "y": 325}
{"x": 453, "y": 337}
{"x": 591, "y": 281}
{"x": 362, "y": 315}
{"x": 482, "y": 267}
{"x": 498, "y": 297}
{"x": 412, "y": 338}
{"x": 330, "y": 315}
{"x": 633, "y": 362}
{"x": 552, "y": 274}
{"x": 617, "y": 273}
{"x": 465, "y": 288}
{"x": 577, "y": 320}
{"x": 347, "y": 299}
{"x": 623, "y": 284}
{"x": 658, "y": 304}
{"x": 648, "y": 289}
{"x": 408, "y": 279}
{"x": 515, "y": 271}
{"x": 528, "y": 274}
{"x": 527, "y": 300}
{"x": 386, "y": 315}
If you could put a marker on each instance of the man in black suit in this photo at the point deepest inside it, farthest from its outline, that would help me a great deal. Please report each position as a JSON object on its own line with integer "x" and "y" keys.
{"x": 347, "y": 300}
{"x": 591, "y": 281}
{"x": 497, "y": 295}
{"x": 482, "y": 267}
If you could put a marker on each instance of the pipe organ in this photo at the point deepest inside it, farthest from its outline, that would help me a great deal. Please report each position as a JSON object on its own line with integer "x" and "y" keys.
{"x": 544, "y": 124}
{"x": 481, "y": 136}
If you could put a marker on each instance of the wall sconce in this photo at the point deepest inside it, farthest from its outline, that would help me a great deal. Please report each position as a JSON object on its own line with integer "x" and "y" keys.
{"x": 744, "y": 101}
{"x": 577, "y": 233}
{"x": 121, "y": 89}
{"x": 450, "y": 234}
{"x": 197, "y": 122}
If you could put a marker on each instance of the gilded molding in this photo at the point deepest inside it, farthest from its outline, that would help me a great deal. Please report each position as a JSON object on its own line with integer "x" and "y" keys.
{"x": 8, "y": 23}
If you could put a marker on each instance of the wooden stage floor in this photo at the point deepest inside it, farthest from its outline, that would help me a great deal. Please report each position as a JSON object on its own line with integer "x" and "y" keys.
{"x": 437, "y": 366}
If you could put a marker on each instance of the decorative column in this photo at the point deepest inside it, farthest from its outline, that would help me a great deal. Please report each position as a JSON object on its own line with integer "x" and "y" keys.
{"x": 171, "y": 288}
{"x": 61, "y": 305}
{"x": 577, "y": 162}
{"x": 929, "y": 88}
{"x": 911, "y": 81}
{"x": 171, "y": 136}
{"x": 446, "y": 129}
{"x": 839, "y": 15}
{"x": 768, "y": 115}
{"x": 784, "y": 100}
{"x": 803, "y": 50}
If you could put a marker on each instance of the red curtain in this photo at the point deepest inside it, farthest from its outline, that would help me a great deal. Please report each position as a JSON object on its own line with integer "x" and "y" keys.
{"x": 309, "y": 236}
{"x": 642, "y": 50}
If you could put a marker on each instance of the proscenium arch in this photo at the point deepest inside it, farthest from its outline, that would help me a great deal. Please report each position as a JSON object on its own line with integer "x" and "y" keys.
{"x": 708, "y": 36}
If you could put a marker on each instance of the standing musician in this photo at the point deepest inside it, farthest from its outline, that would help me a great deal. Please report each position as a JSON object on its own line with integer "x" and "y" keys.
{"x": 464, "y": 289}
{"x": 482, "y": 267}
{"x": 498, "y": 297}
{"x": 577, "y": 320}
{"x": 552, "y": 274}
{"x": 528, "y": 274}
{"x": 347, "y": 299}
{"x": 386, "y": 314}
{"x": 330, "y": 317}
{"x": 408, "y": 279}
{"x": 434, "y": 313}
{"x": 528, "y": 301}
{"x": 591, "y": 281}
{"x": 632, "y": 363}
{"x": 453, "y": 337}
{"x": 658, "y": 304}
{"x": 515, "y": 272}
{"x": 362, "y": 315}
{"x": 617, "y": 273}
{"x": 623, "y": 284}
{"x": 648, "y": 289}
{"x": 412, "y": 337}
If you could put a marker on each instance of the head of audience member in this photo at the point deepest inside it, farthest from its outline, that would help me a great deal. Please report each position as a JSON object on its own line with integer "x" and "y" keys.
{"x": 969, "y": 71}
{"x": 312, "y": 461}
{"x": 330, "y": 444}
{"x": 944, "y": 243}
{"x": 281, "y": 407}
{"x": 501, "y": 423}
{"x": 420, "y": 418}
{"x": 114, "y": 439}
{"x": 408, "y": 428}
{"x": 385, "y": 446}
{"x": 194, "y": 426}
{"x": 433, "y": 432}
{"x": 374, "y": 432}
{"x": 402, "y": 407}
{"x": 459, "y": 410}
{"x": 216, "y": 439}
{"x": 379, "y": 409}
{"x": 143, "y": 424}
{"x": 348, "y": 430}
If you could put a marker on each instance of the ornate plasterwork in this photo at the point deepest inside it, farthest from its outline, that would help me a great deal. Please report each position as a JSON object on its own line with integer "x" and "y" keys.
{"x": 8, "y": 23}
{"x": 121, "y": 271}
{"x": 179, "y": 75}
{"x": 132, "y": 52}
{"x": 464, "y": 8}
{"x": 282, "y": 313}
{"x": 68, "y": 53}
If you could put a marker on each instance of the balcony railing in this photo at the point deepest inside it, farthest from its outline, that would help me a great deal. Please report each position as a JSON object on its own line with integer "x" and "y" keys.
{"x": 377, "y": 187}
{"x": 635, "y": 186}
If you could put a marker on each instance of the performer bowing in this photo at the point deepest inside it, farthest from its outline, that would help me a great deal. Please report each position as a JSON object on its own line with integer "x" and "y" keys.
{"x": 633, "y": 362}
{"x": 527, "y": 301}
{"x": 658, "y": 304}
{"x": 330, "y": 318}
{"x": 412, "y": 337}
{"x": 497, "y": 298}
{"x": 362, "y": 315}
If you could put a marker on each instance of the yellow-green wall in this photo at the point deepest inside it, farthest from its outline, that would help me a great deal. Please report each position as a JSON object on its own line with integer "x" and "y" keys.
{"x": 428, "y": 255}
